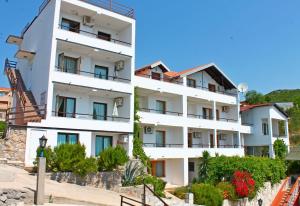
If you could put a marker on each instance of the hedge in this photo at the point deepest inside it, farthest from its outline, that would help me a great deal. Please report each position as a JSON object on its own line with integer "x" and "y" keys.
{"x": 262, "y": 169}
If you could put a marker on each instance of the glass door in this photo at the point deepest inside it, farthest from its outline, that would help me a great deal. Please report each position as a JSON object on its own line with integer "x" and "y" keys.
{"x": 160, "y": 138}
{"x": 101, "y": 72}
{"x": 99, "y": 111}
{"x": 101, "y": 143}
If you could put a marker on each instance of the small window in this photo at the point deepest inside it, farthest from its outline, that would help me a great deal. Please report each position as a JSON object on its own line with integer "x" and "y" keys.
{"x": 101, "y": 72}
{"x": 191, "y": 83}
{"x": 207, "y": 113}
{"x": 265, "y": 128}
{"x": 212, "y": 87}
{"x": 160, "y": 107}
{"x": 70, "y": 25}
{"x": 65, "y": 106}
{"x": 155, "y": 75}
{"x": 67, "y": 138}
{"x": 191, "y": 167}
{"x": 102, "y": 143}
{"x": 68, "y": 64}
{"x": 2, "y": 94}
{"x": 99, "y": 111}
{"x": 104, "y": 36}
{"x": 160, "y": 138}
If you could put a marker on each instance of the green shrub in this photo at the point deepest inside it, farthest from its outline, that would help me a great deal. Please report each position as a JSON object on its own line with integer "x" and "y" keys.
{"x": 157, "y": 183}
{"x": 203, "y": 166}
{"x": 227, "y": 190}
{"x": 293, "y": 167}
{"x": 262, "y": 169}
{"x": 85, "y": 166}
{"x": 3, "y": 126}
{"x": 49, "y": 155}
{"x": 206, "y": 194}
{"x": 111, "y": 158}
{"x": 180, "y": 192}
{"x": 280, "y": 149}
{"x": 67, "y": 156}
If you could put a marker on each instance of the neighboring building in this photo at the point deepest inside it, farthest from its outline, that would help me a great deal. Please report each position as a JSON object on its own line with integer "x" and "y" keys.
{"x": 268, "y": 122}
{"x": 75, "y": 61}
{"x": 285, "y": 105}
{"x": 5, "y": 102}
{"x": 185, "y": 113}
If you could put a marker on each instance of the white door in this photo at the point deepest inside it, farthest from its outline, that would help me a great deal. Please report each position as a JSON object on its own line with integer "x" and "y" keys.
{"x": 33, "y": 144}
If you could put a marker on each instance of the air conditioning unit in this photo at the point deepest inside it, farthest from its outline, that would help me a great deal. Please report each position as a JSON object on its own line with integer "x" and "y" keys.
{"x": 119, "y": 101}
{"x": 119, "y": 65}
{"x": 148, "y": 130}
{"x": 88, "y": 21}
{"x": 197, "y": 134}
{"x": 225, "y": 109}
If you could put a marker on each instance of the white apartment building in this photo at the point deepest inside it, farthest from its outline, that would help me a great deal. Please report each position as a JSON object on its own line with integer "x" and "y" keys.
{"x": 73, "y": 75}
{"x": 185, "y": 113}
{"x": 269, "y": 123}
{"x": 74, "y": 80}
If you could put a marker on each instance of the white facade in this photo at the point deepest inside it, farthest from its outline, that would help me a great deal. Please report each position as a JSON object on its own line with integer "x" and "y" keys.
{"x": 268, "y": 122}
{"x": 103, "y": 41}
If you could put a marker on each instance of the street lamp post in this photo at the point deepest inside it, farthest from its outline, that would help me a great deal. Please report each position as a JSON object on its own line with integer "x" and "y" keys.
{"x": 40, "y": 184}
{"x": 260, "y": 202}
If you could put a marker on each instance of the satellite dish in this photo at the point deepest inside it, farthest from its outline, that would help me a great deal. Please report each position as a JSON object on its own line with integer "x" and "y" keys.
{"x": 243, "y": 87}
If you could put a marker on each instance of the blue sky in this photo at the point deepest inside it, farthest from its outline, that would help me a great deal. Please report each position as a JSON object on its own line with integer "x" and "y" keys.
{"x": 257, "y": 41}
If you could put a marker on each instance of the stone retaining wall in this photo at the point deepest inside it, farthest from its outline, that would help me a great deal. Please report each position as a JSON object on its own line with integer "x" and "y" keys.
{"x": 105, "y": 180}
{"x": 13, "y": 146}
{"x": 10, "y": 197}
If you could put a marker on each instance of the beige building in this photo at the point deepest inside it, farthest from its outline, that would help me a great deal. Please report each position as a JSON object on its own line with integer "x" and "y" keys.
{"x": 5, "y": 101}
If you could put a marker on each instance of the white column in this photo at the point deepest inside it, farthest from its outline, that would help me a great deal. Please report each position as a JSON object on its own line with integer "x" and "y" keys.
{"x": 239, "y": 139}
{"x": 184, "y": 105}
{"x": 130, "y": 145}
{"x": 287, "y": 134}
{"x": 214, "y": 110}
{"x": 215, "y": 138}
{"x": 184, "y": 81}
{"x": 271, "y": 151}
{"x": 185, "y": 171}
{"x": 185, "y": 136}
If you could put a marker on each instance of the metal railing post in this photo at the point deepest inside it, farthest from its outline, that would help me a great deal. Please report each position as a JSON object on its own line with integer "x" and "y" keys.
{"x": 144, "y": 194}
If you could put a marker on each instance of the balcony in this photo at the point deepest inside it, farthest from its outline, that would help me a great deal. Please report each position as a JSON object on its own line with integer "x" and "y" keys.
{"x": 163, "y": 145}
{"x": 165, "y": 112}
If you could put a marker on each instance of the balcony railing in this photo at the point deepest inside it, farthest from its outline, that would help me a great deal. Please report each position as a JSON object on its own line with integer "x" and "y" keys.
{"x": 164, "y": 79}
{"x": 94, "y": 75}
{"x": 211, "y": 118}
{"x": 90, "y": 116}
{"x": 212, "y": 146}
{"x": 113, "y": 6}
{"x": 160, "y": 111}
{"x": 87, "y": 33}
{"x": 231, "y": 93}
{"x": 162, "y": 145}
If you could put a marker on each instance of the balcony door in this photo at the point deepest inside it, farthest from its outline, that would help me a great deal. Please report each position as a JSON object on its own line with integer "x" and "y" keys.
{"x": 158, "y": 168}
{"x": 212, "y": 87}
{"x": 160, "y": 138}
{"x": 190, "y": 139}
{"x": 69, "y": 64}
{"x": 65, "y": 106}
{"x": 102, "y": 143}
{"x": 70, "y": 25}
{"x": 101, "y": 72}
{"x": 160, "y": 107}
{"x": 207, "y": 113}
{"x": 99, "y": 111}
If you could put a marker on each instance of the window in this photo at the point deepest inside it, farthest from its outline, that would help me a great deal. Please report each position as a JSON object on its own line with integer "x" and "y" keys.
{"x": 1, "y": 115}
{"x": 191, "y": 167}
{"x": 160, "y": 138}
{"x": 68, "y": 64}
{"x": 66, "y": 106}
{"x": 191, "y": 83}
{"x": 67, "y": 138}
{"x": 155, "y": 75}
{"x": 101, "y": 143}
{"x": 212, "y": 87}
{"x": 101, "y": 72}
{"x": 70, "y": 25}
{"x": 207, "y": 113}
{"x": 158, "y": 168}
{"x": 2, "y": 94}
{"x": 104, "y": 36}
{"x": 99, "y": 111}
{"x": 160, "y": 107}
{"x": 265, "y": 128}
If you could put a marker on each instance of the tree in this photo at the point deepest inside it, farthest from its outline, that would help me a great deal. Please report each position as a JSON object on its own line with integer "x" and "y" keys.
{"x": 203, "y": 166}
{"x": 254, "y": 97}
{"x": 280, "y": 149}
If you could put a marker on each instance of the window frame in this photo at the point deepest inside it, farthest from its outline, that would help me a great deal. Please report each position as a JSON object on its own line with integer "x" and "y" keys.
{"x": 64, "y": 113}
{"x": 103, "y": 137}
{"x": 189, "y": 166}
{"x": 67, "y": 137}
{"x": 212, "y": 87}
{"x": 75, "y": 29}
{"x": 105, "y": 110}
{"x": 104, "y": 36}
{"x": 101, "y": 67}
{"x": 163, "y": 138}
{"x": 153, "y": 167}
{"x": 155, "y": 77}
{"x": 191, "y": 85}
{"x": 265, "y": 128}
{"x": 164, "y": 104}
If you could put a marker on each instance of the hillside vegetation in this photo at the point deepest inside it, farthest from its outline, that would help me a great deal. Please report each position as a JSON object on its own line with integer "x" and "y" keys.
{"x": 286, "y": 95}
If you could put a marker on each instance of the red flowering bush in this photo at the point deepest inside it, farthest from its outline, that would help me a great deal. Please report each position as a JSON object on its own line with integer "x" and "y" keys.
{"x": 243, "y": 183}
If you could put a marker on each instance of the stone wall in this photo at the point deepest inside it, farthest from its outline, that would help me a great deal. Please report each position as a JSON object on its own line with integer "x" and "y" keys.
{"x": 13, "y": 146}
{"x": 106, "y": 180}
{"x": 267, "y": 194}
{"x": 9, "y": 197}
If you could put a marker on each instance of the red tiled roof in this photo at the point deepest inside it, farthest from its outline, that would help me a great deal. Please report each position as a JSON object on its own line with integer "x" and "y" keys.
{"x": 245, "y": 107}
{"x": 4, "y": 89}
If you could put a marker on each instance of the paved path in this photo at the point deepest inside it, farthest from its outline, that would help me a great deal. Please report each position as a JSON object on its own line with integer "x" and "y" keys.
{"x": 15, "y": 178}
